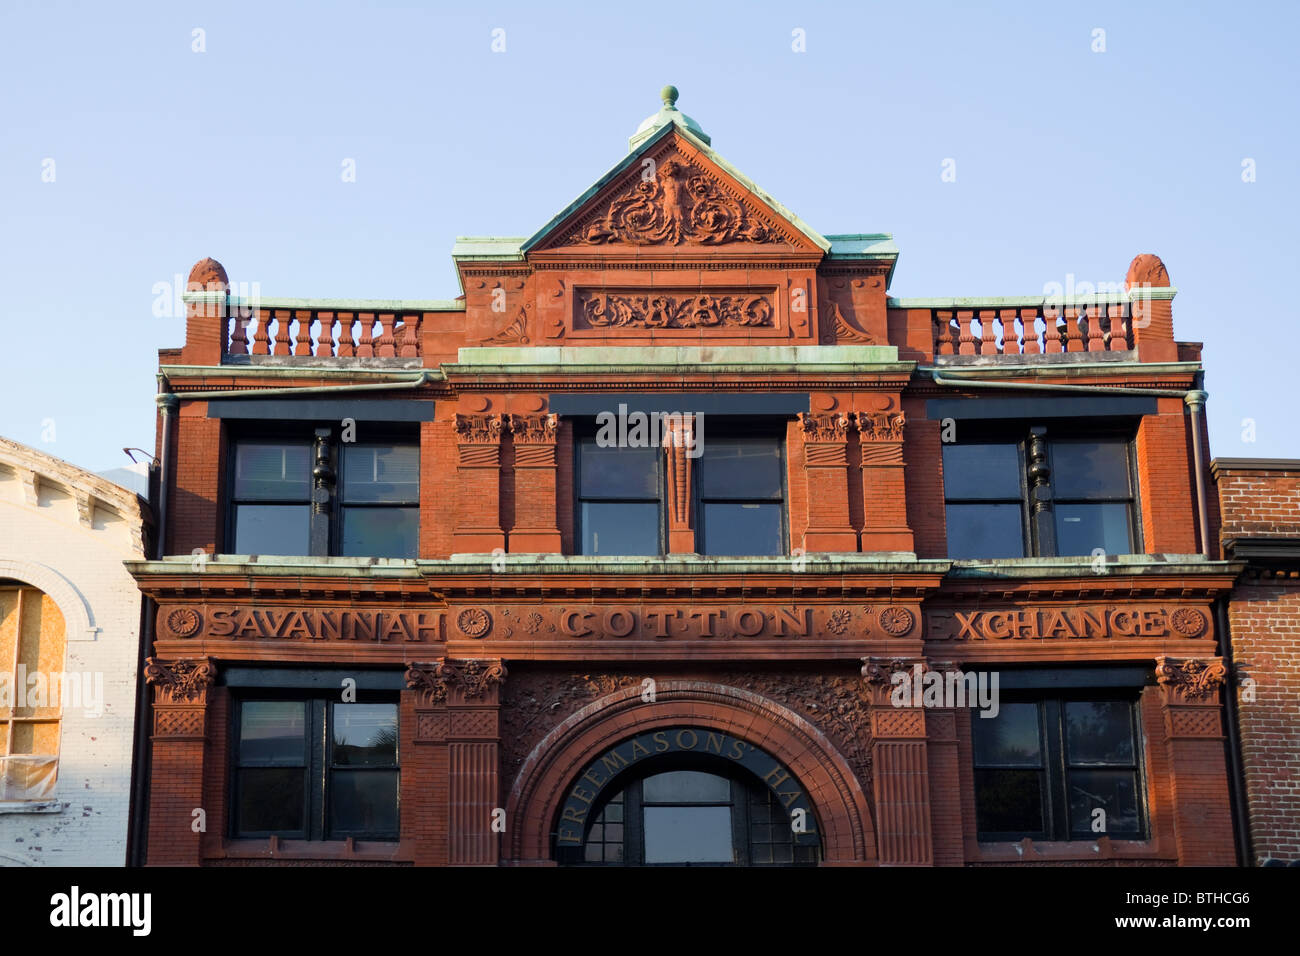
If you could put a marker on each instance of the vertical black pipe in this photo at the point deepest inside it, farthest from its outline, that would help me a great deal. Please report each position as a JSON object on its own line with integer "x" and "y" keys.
{"x": 1236, "y": 768}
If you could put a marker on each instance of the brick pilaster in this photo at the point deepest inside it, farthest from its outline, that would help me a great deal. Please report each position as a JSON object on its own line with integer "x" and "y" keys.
{"x": 536, "y": 527}
{"x": 478, "y": 528}
{"x": 179, "y": 741}
{"x": 826, "y": 463}
{"x": 900, "y": 768}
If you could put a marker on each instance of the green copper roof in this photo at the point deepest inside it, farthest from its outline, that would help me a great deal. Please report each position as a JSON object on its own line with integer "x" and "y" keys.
{"x": 668, "y": 115}
{"x": 488, "y": 247}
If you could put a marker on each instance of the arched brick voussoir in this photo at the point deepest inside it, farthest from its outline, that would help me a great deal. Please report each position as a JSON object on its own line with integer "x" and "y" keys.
{"x": 551, "y": 767}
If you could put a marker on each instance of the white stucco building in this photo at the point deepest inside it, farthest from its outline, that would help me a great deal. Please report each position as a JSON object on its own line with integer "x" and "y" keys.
{"x": 69, "y": 646}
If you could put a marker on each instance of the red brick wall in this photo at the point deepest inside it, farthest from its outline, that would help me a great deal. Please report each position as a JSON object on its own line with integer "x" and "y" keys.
{"x": 1166, "y": 497}
{"x": 1265, "y": 622}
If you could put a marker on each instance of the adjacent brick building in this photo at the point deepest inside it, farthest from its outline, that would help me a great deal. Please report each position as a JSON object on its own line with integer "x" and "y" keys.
{"x": 1259, "y": 500}
{"x": 659, "y": 543}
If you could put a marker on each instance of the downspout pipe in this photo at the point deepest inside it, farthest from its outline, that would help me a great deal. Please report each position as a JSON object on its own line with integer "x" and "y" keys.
{"x": 1236, "y": 766}
{"x": 1194, "y": 397}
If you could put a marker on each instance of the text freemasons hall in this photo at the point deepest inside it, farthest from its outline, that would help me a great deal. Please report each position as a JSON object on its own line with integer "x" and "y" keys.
{"x": 623, "y": 556}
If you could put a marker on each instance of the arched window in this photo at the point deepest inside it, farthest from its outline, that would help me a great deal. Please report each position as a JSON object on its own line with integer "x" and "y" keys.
{"x": 31, "y": 692}
{"x": 692, "y": 817}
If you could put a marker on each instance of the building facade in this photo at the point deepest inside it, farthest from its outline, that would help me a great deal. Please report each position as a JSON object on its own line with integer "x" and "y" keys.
{"x": 69, "y": 655}
{"x": 676, "y": 539}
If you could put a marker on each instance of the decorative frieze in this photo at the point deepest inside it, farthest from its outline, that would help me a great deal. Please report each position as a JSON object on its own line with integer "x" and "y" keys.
{"x": 1131, "y": 621}
{"x": 680, "y": 203}
{"x": 675, "y": 310}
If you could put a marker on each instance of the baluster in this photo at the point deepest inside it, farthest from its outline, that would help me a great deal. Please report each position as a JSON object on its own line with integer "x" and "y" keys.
{"x": 282, "y": 334}
{"x": 1073, "y": 334}
{"x": 943, "y": 333}
{"x": 347, "y": 348}
{"x": 1029, "y": 320}
{"x": 1096, "y": 334}
{"x": 988, "y": 334}
{"x": 967, "y": 345}
{"x": 386, "y": 339}
{"x": 367, "y": 347}
{"x": 1118, "y": 332}
{"x": 304, "y": 333}
{"x": 238, "y": 337}
{"x": 1053, "y": 336}
{"x": 1011, "y": 338}
{"x": 261, "y": 328}
{"x": 325, "y": 341}
{"x": 411, "y": 335}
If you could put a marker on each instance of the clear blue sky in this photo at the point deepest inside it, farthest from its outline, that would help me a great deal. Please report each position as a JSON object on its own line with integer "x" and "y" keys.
{"x": 1068, "y": 161}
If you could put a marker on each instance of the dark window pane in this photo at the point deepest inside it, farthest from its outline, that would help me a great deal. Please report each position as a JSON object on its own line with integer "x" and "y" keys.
{"x": 272, "y": 529}
{"x": 380, "y": 532}
{"x": 272, "y": 732}
{"x": 686, "y": 786}
{"x": 1112, "y": 791}
{"x": 363, "y": 801}
{"x": 688, "y": 835}
{"x": 271, "y": 800}
{"x": 1009, "y": 801}
{"x": 365, "y": 735}
{"x": 1012, "y": 737}
{"x": 742, "y": 528}
{"x": 1099, "y": 731}
{"x": 383, "y": 473}
{"x": 1080, "y": 529}
{"x": 272, "y": 472}
{"x": 620, "y": 528}
{"x": 1087, "y": 469}
{"x": 985, "y": 531}
{"x": 981, "y": 471}
{"x": 615, "y": 472}
{"x": 740, "y": 468}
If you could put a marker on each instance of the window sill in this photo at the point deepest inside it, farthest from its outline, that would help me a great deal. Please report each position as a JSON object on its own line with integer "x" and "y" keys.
{"x": 1063, "y": 851}
{"x": 273, "y": 848}
{"x": 32, "y": 806}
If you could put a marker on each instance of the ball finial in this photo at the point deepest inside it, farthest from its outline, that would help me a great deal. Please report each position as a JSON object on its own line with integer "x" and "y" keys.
{"x": 669, "y": 96}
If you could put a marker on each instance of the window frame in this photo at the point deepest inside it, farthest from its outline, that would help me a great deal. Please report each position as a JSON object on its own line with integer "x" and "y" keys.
{"x": 305, "y": 433}
{"x": 584, "y": 433}
{"x": 317, "y": 768}
{"x": 743, "y": 792}
{"x": 1055, "y": 433}
{"x": 1055, "y": 768}
{"x": 743, "y": 431}
{"x": 9, "y": 723}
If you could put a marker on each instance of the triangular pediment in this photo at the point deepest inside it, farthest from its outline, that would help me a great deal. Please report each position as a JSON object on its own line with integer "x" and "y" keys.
{"x": 674, "y": 192}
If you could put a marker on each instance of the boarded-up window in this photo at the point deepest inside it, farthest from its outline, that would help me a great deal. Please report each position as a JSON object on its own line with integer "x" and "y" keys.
{"x": 31, "y": 692}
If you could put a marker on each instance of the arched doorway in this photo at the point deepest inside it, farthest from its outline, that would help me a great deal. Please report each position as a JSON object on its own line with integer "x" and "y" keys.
{"x": 546, "y": 787}
{"x": 686, "y": 796}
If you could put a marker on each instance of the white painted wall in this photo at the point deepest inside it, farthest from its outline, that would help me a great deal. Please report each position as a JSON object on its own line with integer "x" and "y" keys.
{"x": 74, "y": 553}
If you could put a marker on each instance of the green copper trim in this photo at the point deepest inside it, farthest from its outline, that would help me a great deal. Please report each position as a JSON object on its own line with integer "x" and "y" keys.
{"x": 793, "y": 358}
{"x": 1032, "y": 301}
{"x": 333, "y": 305}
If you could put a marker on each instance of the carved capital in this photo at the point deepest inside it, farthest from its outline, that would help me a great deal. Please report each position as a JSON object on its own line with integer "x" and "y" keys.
{"x": 881, "y": 426}
{"x": 1190, "y": 680}
{"x": 833, "y": 427}
{"x": 478, "y": 429}
{"x": 534, "y": 429}
{"x": 472, "y": 678}
{"x": 181, "y": 681}
{"x": 878, "y": 676}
